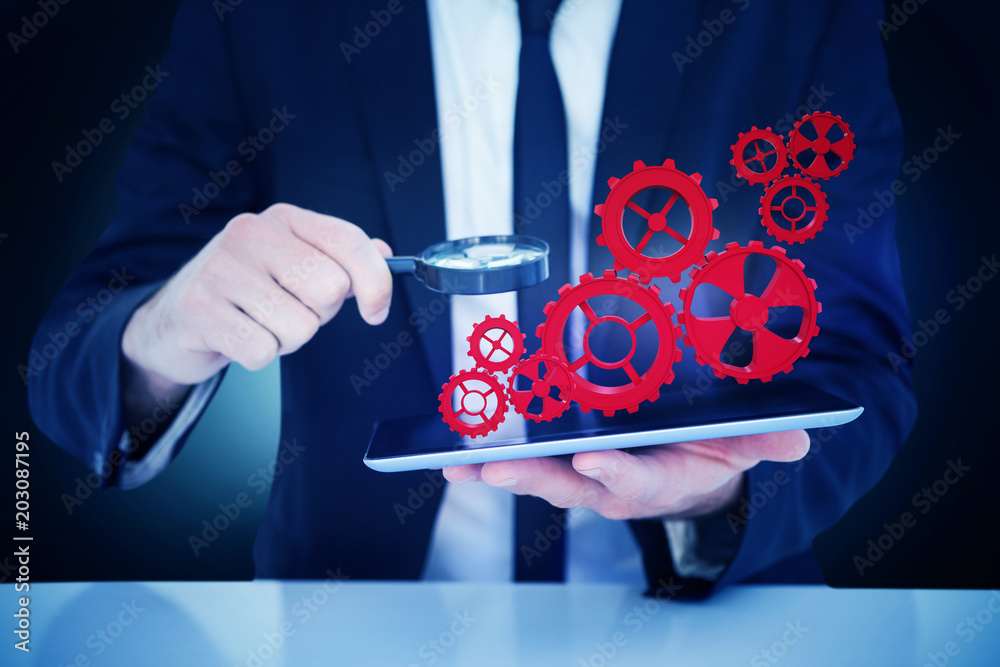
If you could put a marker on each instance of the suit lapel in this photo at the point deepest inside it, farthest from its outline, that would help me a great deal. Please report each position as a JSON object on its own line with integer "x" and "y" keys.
{"x": 394, "y": 78}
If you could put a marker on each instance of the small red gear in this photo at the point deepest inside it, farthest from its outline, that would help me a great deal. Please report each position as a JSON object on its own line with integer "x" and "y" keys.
{"x": 639, "y": 388}
{"x": 477, "y": 387}
{"x": 545, "y": 374}
{"x": 821, "y": 147}
{"x": 776, "y": 144}
{"x": 773, "y": 204}
{"x": 505, "y": 342}
{"x": 685, "y": 187}
{"x": 771, "y": 353}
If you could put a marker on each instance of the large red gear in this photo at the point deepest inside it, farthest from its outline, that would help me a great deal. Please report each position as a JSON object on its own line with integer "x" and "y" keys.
{"x": 821, "y": 146}
{"x": 506, "y": 344}
{"x": 777, "y": 149}
{"x": 773, "y": 209}
{"x": 544, "y": 373}
{"x": 477, "y": 387}
{"x": 771, "y": 353}
{"x": 639, "y": 388}
{"x": 685, "y": 187}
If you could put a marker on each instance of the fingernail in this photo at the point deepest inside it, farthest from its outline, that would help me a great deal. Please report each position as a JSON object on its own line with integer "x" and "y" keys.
{"x": 471, "y": 477}
{"x": 592, "y": 472}
{"x": 510, "y": 481}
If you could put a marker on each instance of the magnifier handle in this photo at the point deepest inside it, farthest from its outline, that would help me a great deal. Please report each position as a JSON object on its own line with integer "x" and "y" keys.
{"x": 404, "y": 264}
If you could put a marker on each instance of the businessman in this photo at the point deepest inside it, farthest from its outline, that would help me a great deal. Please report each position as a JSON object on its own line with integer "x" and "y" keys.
{"x": 390, "y": 128}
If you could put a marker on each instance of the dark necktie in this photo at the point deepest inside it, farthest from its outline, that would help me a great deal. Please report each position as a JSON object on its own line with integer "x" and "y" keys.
{"x": 541, "y": 208}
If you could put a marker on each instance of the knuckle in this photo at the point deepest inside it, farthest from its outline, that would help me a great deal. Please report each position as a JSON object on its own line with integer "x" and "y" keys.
{"x": 242, "y": 225}
{"x": 281, "y": 210}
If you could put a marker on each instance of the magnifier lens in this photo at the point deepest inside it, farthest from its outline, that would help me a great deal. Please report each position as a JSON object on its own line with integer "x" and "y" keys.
{"x": 484, "y": 256}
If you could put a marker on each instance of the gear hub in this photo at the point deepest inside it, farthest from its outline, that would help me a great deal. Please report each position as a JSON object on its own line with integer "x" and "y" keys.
{"x": 638, "y": 388}
{"x": 771, "y": 353}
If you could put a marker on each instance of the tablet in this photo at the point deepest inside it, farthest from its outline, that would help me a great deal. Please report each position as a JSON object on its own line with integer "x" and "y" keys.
{"x": 415, "y": 443}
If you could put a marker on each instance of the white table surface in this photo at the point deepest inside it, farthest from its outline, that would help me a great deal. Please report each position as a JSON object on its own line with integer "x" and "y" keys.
{"x": 272, "y": 624}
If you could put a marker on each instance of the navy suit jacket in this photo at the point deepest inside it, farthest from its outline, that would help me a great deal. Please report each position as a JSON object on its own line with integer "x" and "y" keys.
{"x": 348, "y": 132}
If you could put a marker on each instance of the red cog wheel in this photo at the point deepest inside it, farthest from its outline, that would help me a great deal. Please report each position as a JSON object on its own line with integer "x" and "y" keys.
{"x": 816, "y": 152}
{"x": 639, "y": 388}
{"x": 685, "y": 187}
{"x": 504, "y": 344}
{"x": 482, "y": 403}
{"x": 771, "y": 353}
{"x": 545, "y": 374}
{"x": 774, "y": 209}
{"x": 774, "y": 145}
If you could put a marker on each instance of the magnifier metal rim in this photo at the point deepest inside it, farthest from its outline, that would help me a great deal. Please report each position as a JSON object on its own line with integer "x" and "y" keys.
{"x": 482, "y": 280}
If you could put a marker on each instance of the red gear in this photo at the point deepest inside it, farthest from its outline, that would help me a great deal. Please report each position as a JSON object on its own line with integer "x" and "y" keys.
{"x": 820, "y": 147}
{"x": 771, "y": 353}
{"x": 776, "y": 141}
{"x": 480, "y": 423}
{"x": 779, "y": 190}
{"x": 542, "y": 381}
{"x": 685, "y": 187}
{"x": 640, "y": 388}
{"x": 508, "y": 335}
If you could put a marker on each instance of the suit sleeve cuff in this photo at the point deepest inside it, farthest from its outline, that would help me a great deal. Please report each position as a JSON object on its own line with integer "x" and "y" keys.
{"x": 135, "y": 473}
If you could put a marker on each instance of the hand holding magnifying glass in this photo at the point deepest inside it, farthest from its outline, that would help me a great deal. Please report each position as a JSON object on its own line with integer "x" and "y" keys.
{"x": 478, "y": 265}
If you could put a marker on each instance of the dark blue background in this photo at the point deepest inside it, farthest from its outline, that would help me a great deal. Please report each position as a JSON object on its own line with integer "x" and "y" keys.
{"x": 64, "y": 80}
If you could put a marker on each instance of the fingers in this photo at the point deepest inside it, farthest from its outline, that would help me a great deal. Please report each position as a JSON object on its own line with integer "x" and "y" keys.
{"x": 352, "y": 249}
{"x": 781, "y": 447}
{"x": 463, "y": 473}
{"x": 550, "y": 478}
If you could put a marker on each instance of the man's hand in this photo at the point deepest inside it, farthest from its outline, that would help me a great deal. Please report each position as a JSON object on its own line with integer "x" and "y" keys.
{"x": 685, "y": 479}
{"x": 260, "y": 288}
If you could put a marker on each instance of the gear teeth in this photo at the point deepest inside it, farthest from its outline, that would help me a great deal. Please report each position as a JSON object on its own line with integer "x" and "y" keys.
{"x": 548, "y": 308}
{"x": 732, "y": 245}
{"x": 584, "y": 409}
{"x": 710, "y": 255}
{"x": 669, "y": 164}
{"x": 655, "y": 396}
{"x": 599, "y": 209}
{"x": 638, "y": 164}
{"x": 565, "y": 289}
{"x": 609, "y": 413}
{"x": 719, "y": 374}
{"x": 654, "y": 290}
{"x": 687, "y": 340}
{"x": 701, "y": 361}
{"x": 714, "y": 203}
{"x": 617, "y": 266}
{"x": 739, "y": 379}
{"x": 678, "y": 355}
{"x": 612, "y": 182}
{"x": 682, "y": 295}
{"x": 540, "y": 331}
{"x": 798, "y": 263}
{"x": 756, "y": 244}
{"x": 632, "y": 409}
{"x": 633, "y": 278}
{"x": 778, "y": 248}
{"x": 609, "y": 274}
{"x": 601, "y": 240}
{"x": 696, "y": 177}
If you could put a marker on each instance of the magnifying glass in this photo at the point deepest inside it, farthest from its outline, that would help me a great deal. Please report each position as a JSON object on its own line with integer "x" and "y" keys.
{"x": 478, "y": 265}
